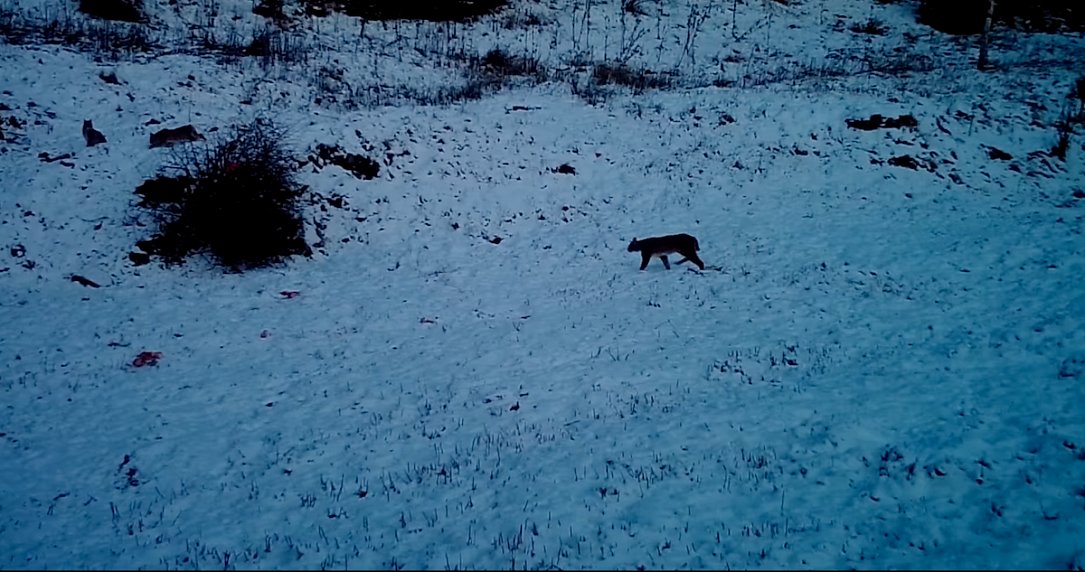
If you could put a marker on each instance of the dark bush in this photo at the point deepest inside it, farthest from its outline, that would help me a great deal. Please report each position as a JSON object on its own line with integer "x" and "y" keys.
{"x": 434, "y": 11}
{"x": 1041, "y": 15}
{"x": 271, "y": 9}
{"x": 122, "y": 10}
{"x": 967, "y": 16}
{"x": 956, "y": 17}
{"x": 235, "y": 200}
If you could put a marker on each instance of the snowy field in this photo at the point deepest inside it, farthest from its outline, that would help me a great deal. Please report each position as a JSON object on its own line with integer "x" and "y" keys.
{"x": 881, "y": 367}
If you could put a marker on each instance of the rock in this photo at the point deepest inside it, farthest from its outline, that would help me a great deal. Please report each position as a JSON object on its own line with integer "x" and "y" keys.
{"x": 998, "y": 154}
{"x": 110, "y": 77}
{"x": 876, "y": 121}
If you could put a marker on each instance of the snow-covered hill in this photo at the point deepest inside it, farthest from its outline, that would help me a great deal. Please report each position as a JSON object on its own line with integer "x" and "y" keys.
{"x": 881, "y": 367}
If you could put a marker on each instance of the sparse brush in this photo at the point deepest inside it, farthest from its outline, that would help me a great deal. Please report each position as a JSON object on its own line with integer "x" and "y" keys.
{"x": 118, "y": 38}
{"x": 635, "y": 7}
{"x": 1064, "y": 127}
{"x": 101, "y": 37}
{"x": 500, "y": 64}
{"x": 474, "y": 87}
{"x": 622, "y": 74}
{"x": 696, "y": 19}
{"x": 1062, "y": 141}
{"x": 516, "y": 20}
{"x": 872, "y": 26}
{"x": 483, "y": 75}
{"x": 11, "y": 26}
{"x": 1078, "y": 93}
{"x": 273, "y": 46}
{"x": 268, "y": 44}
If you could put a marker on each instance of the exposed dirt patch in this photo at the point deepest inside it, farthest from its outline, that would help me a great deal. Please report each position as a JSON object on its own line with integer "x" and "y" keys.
{"x": 360, "y": 166}
{"x": 877, "y": 121}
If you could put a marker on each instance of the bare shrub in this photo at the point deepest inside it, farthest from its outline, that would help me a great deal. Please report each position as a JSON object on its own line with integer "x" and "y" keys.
{"x": 272, "y": 46}
{"x": 499, "y": 65}
{"x": 874, "y": 62}
{"x": 639, "y": 79}
{"x": 522, "y": 19}
{"x": 1078, "y": 93}
{"x": 474, "y": 86}
{"x": 235, "y": 200}
{"x": 106, "y": 38}
{"x": 635, "y": 7}
{"x": 1063, "y": 129}
{"x": 268, "y": 44}
{"x": 873, "y": 26}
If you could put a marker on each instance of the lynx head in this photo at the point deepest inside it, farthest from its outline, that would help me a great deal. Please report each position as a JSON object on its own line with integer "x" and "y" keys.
{"x": 633, "y": 246}
{"x": 87, "y": 124}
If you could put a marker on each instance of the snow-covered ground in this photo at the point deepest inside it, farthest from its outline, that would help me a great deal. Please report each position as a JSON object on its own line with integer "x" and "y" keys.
{"x": 881, "y": 367}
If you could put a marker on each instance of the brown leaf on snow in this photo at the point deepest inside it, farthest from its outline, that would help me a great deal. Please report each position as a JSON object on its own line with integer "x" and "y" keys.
{"x": 146, "y": 358}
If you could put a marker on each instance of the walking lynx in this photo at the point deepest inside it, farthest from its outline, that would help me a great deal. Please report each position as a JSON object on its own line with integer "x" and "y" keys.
{"x": 661, "y": 246}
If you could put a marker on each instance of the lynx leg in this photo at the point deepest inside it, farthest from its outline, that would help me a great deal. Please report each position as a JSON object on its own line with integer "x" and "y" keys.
{"x": 696, "y": 260}
{"x": 645, "y": 258}
{"x": 666, "y": 264}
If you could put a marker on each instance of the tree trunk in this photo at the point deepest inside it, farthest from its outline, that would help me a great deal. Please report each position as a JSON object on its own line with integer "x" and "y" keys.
{"x": 982, "y": 65}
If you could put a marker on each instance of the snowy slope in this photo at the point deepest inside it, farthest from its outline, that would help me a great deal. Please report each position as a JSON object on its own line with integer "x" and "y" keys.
{"x": 881, "y": 367}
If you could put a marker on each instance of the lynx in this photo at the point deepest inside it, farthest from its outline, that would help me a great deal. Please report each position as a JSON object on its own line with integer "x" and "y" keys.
{"x": 661, "y": 246}
{"x": 168, "y": 137}
{"x": 92, "y": 135}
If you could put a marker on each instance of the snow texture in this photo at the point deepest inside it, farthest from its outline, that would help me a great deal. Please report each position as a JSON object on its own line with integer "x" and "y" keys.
{"x": 881, "y": 367}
